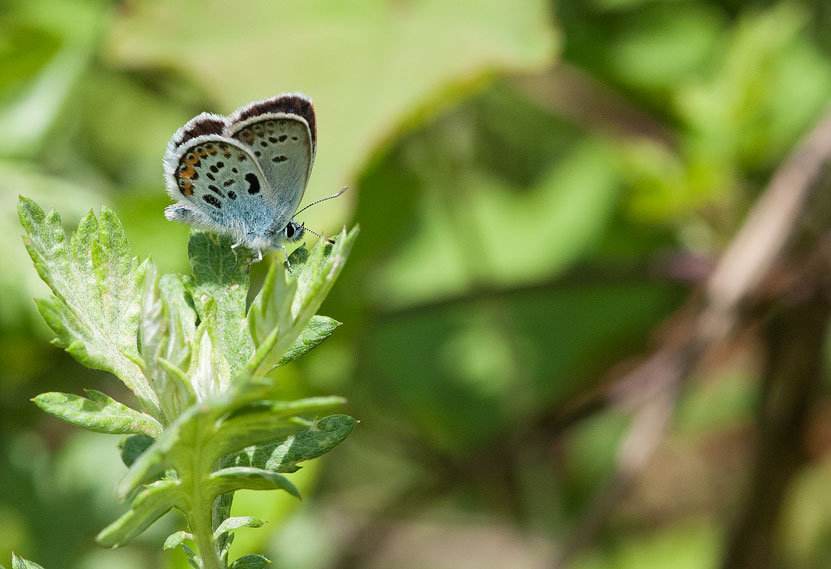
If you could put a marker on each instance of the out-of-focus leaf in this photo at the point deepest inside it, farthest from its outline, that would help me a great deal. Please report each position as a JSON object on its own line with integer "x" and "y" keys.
{"x": 149, "y": 505}
{"x": 174, "y": 540}
{"x": 421, "y": 47}
{"x": 251, "y": 562}
{"x": 132, "y": 447}
{"x": 20, "y": 563}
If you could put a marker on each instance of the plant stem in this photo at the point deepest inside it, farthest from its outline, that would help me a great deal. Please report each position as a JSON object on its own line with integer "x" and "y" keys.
{"x": 202, "y": 528}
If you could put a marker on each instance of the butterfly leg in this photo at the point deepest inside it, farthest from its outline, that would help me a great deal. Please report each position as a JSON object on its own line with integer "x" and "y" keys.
{"x": 286, "y": 253}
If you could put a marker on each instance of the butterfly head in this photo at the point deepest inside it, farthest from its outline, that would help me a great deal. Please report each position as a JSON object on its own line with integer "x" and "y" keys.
{"x": 293, "y": 231}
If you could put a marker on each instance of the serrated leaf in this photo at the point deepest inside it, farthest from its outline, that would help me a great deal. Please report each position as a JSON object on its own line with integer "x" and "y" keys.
{"x": 177, "y": 446}
{"x": 97, "y": 286}
{"x": 318, "y": 329}
{"x": 149, "y": 505}
{"x": 283, "y": 455}
{"x": 99, "y": 413}
{"x": 266, "y": 420}
{"x": 168, "y": 326}
{"x": 237, "y": 522}
{"x": 20, "y": 563}
{"x": 208, "y": 431}
{"x": 288, "y": 301}
{"x": 250, "y": 562}
{"x": 132, "y": 447}
{"x": 209, "y": 372}
{"x": 174, "y": 540}
{"x": 246, "y": 478}
{"x": 221, "y": 274}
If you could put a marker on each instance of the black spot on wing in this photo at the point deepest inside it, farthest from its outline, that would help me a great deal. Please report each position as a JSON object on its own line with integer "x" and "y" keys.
{"x": 253, "y": 183}
{"x": 212, "y": 200}
{"x": 216, "y": 190}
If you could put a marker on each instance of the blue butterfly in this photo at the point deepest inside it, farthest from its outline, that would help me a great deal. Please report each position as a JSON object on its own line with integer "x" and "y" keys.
{"x": 244, "y": 175}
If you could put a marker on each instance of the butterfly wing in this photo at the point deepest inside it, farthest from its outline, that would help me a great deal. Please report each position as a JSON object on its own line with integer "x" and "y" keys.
{"x": 218, "y": 183}
{"x": 280, "y": 132}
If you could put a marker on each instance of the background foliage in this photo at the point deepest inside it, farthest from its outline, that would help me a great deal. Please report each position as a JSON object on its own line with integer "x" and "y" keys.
{"x": 539, "y": 185}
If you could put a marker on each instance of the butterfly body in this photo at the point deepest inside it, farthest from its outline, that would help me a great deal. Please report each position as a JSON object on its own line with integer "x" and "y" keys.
{"x": 244, "y": 175}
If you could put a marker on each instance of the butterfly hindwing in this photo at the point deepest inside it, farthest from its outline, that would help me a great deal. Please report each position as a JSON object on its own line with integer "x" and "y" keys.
{"x": 220, "y": 179}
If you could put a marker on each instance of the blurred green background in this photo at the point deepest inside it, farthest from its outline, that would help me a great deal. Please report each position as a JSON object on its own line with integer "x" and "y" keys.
{"x": 523, "y": 172}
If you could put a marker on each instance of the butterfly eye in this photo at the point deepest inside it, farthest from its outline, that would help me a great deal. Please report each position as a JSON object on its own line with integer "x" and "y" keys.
{"x": 293, "y": 231}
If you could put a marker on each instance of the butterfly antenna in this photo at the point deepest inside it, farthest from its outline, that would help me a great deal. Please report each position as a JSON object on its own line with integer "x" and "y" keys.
{"x": 318, "y": 234}
{"x": 321, "y": 200}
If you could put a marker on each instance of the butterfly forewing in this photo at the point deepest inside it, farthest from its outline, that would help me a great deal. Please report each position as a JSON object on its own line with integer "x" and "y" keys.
{"x": 282, "y": 145}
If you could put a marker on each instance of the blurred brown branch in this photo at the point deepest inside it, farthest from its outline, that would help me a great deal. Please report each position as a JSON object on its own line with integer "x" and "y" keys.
{"x": 732, "y": 296}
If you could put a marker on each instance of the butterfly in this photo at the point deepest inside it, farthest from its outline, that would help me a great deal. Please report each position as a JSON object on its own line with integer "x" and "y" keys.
{"x": 244, "y": 175}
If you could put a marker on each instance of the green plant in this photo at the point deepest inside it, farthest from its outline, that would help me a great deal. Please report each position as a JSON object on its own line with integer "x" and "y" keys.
{"x": 197, "y": 358}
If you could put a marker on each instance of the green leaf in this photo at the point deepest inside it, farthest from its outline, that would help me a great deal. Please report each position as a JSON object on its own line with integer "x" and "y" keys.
{"x": 209, "y": 373}
{"x": 97, "y": 286}
{"x": 318, "y": 329}
{"x": 231, "y": 524}
{"x": 266, "y": 420}
{"x": 180, "y": 445}
{"x": 283, "y": 455}
{"x": 250, "y": 562}
{"x": 288, "y": 301}
{"x": 246, "y": 478}
{"x": 20, "y": 563}
{"x": 213, "y": 429}
{"x": 174, "y": 540}
{"x": 132, "y": 447}
{"x": 192, "y": 446}
{"x": 99, "y": 413}
{"x": 190, "y": 553}
{"x": 220, "y": 275}
{"x": 168, "y": 326}
{"x": 149, "y": 505}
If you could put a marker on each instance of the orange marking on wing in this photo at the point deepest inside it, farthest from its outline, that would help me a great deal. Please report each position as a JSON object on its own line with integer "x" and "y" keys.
{"x": 187, "y": 172}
